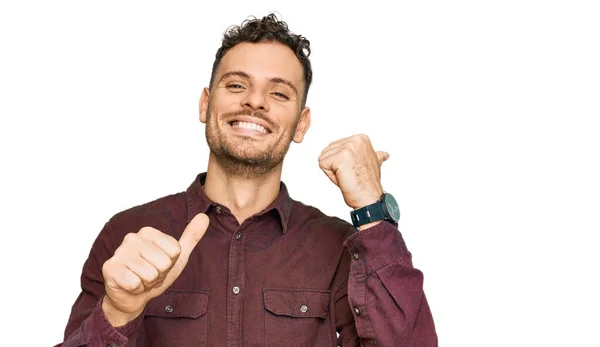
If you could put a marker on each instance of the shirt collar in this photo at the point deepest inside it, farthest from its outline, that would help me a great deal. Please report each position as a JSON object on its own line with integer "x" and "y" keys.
{"x": 198, "y": 202}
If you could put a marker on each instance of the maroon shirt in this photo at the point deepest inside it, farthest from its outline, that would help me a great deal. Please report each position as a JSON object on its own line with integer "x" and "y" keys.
{"x": 287, "y": 276}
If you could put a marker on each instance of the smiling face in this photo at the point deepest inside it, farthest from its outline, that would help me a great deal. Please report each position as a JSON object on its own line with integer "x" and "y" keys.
{"x": 254, "y": 108}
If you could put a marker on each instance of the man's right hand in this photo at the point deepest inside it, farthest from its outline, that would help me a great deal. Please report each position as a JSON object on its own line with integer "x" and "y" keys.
{"x": 144, "y": 266}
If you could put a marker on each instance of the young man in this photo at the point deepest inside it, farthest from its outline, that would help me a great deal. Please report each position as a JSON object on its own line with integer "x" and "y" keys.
{"x": 266, "y": 270}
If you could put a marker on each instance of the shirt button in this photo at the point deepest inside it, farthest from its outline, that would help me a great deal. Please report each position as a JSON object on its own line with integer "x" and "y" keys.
{"x": 236, "y": 290}
{"x": 218, "y": 209}
{"x": 303, "y": 308}
{"x": 238, "y": 235}
{"x": 169, "y": 309}
{"x": 355, "y": 255}
{"x": 357, "y": 311}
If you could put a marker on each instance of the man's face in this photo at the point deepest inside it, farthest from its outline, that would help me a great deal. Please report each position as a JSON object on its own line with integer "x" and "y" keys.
{"x": 253, "y": 110}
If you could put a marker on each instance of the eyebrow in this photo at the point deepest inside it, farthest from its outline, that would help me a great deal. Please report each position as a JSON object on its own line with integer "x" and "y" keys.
{"x": 272, "y": 80}
{"x": 286, "y": 82}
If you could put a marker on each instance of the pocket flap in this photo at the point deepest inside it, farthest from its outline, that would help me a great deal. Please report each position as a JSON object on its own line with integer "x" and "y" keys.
{"x": 297, "y": 302}
{"x": 178, "y": 303}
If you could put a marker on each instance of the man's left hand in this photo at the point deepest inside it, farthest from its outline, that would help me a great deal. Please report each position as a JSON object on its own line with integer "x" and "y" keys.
{"x": 354, "y": 166}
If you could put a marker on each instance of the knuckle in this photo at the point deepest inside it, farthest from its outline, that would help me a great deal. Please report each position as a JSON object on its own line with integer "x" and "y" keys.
{"x": 144, "y": 231}
{"x": 151, "y": 274}
{"x": 346, "y": 152}
{"x": 107, "y": 267}
{"x": 130, "y": 238}
{"x": 147, "y": 232}
{"x": 174, "y": 250}
{"x": 164, "y": 266}
{"x": 133, "y": 284}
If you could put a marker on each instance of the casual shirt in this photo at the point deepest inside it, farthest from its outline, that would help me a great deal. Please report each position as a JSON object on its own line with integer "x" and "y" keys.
{"x": 287, "y": 276}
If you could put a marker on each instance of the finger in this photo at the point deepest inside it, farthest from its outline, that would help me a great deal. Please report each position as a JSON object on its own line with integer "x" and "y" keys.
{"x": 382, "y": 156}
{"x": 329, "y": 152}
{"x": 192, "y": 234}
{"x": 337, "y": 142}
{"x": 333, "y": 146}
{"x": 126, "y": 280}
{"x": 157, "y": 257}
{"x": 331, "y": 175}
{"x": 167, "y": 244}
{"x": 144, "y": 270}
{"x": 327, "y": 164}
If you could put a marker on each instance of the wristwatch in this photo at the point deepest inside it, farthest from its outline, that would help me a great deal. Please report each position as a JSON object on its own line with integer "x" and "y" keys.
{"x": 384, "y": 209}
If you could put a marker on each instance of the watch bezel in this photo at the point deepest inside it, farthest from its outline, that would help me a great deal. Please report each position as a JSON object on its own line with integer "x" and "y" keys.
{"x": 390, "y": 208}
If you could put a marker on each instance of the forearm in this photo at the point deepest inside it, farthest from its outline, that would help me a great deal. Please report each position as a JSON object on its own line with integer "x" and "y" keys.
{"x": 97, "y": 331}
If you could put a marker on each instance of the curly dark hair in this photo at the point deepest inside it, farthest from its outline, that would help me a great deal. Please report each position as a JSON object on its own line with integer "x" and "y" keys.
{"x": 267, "y": 29}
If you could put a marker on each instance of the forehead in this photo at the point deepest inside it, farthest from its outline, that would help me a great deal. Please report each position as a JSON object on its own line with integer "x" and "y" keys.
{"x": 264, "y": 60}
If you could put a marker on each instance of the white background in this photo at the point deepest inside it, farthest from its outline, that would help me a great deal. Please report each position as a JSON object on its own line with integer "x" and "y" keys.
{"x": 490, "y": 111}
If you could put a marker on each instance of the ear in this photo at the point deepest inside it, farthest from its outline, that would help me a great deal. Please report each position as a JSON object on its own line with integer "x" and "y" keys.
{"x": 204, "y": 104}
{"x": 303, "y": 125}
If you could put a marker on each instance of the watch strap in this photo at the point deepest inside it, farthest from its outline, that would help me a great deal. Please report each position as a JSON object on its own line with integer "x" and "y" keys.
{"x": 367, "y": 214}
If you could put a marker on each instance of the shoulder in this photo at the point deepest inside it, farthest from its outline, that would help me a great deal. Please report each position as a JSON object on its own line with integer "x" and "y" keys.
{"x": 168, "y": 206}
{"x": 313, "y": 219}
{"x": 163, "y": 214}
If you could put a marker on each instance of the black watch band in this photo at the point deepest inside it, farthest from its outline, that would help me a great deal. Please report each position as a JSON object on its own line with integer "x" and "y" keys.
{"x": 367, "y": 214}
{"x": 384, "y": 209}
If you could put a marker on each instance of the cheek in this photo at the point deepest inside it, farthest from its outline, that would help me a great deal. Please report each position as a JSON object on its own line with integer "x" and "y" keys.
{"x": 225, "y": 103}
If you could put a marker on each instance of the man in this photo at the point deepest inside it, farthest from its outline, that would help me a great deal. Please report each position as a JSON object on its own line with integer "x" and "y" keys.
{"x": 267, "y": 270}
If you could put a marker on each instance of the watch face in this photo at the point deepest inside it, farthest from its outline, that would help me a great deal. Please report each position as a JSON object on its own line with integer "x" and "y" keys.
{"x": 392, "y": 207}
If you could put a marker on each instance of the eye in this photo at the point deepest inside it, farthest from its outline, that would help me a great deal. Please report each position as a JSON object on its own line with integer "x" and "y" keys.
{"x": 234, "y": 87}
{"x": 281, "y": 95}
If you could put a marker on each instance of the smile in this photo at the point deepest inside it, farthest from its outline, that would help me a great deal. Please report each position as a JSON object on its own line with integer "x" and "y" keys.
{"x": 249, "y": 126}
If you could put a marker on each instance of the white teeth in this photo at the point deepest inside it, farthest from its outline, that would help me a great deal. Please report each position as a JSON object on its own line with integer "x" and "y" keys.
{"x": 250, "y": 126}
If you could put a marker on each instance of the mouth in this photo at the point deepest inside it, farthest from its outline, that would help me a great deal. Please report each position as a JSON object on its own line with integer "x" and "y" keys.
{"x": 250, "y": 125}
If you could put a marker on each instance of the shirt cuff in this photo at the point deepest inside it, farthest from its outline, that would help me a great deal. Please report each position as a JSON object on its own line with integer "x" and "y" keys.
{"x": 375, "y": 247}
{"x": 99, "y": 329}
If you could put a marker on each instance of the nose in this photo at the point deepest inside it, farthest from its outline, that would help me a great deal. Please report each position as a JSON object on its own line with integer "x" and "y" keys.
{"x": 255, "y": 100}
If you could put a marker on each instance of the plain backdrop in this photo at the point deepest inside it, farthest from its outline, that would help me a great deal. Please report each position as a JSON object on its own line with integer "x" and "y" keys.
{"x": 489, "y": 109}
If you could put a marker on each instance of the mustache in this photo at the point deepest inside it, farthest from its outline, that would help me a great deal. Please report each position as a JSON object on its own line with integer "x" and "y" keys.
{"x": 229, "y": 116}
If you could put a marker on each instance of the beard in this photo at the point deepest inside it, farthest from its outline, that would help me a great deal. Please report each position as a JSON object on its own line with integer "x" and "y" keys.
{"x": 240, "y": 156}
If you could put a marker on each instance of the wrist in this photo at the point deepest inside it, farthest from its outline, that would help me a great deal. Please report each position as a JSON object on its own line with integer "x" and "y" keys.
{"x": 368, "y": 225}
{"x": 367, "y": 200}
{"x": 116, "y": 317}
{"x": 385, "y": 208}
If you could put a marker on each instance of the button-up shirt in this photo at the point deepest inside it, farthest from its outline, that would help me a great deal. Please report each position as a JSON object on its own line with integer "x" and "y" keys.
{"x": 287, "y": 276}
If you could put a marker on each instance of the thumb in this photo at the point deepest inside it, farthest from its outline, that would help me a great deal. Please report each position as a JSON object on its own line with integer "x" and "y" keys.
{"x": 192, "y": 234}
{"x": 382, "y": 156}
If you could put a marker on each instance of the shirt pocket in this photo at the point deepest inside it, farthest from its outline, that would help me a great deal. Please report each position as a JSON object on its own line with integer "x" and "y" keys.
{"x": 297, "y": 317}
{"x": 170, "y": 317}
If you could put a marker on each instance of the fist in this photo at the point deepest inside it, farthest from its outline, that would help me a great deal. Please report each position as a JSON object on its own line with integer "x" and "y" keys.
{"x": 144, "y": 266}
{"x": 353, "y": 165}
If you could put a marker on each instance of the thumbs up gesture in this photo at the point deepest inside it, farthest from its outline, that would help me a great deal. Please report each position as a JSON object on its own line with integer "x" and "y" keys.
{"x": 144, "y": 266}
{"x": 353, "y": 165}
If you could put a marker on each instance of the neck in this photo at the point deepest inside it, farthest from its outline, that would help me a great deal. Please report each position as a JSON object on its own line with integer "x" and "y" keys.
{"x": 243, "y": 195}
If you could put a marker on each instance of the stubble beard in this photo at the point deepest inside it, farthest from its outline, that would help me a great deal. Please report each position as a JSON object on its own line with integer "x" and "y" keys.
{"x": 241, "y": 158}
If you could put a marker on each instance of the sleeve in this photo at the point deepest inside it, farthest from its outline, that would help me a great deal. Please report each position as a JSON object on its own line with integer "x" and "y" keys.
{"x": 385, "y": 291}
{"x": 87, "y": 325}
